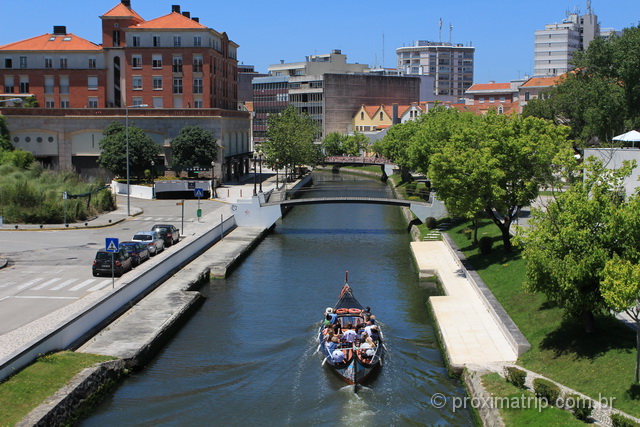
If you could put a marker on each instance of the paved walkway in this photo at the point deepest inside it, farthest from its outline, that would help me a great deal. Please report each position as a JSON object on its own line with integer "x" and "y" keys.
{"x": 469, "y": 333}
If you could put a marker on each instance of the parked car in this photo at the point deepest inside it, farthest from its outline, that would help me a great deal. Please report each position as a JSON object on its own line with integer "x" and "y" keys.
{"x": 138, "y": 251}
{"x": 154, "y": 242}
{"x": 103, "y": 260}
{"x": 168, "y": 232}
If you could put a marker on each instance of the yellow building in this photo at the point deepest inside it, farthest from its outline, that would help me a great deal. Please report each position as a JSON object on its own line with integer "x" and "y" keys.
{"x": 371, "y": 118}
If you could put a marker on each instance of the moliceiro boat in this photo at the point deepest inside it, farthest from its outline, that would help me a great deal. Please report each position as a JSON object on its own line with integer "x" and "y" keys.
{"x": 351, "y": 339}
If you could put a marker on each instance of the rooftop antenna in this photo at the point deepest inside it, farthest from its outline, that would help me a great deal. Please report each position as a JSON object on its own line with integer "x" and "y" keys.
{"x": 589, "y": 11}
{"x": 382, "y": 65}
{"x": 450, "y": 31}
{"x": 440, "y": 31}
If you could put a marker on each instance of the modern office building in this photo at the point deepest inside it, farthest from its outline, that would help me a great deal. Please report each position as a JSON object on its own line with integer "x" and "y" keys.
{"x": 173, "y": 64}
{"x": 450, "y": 64}
{"x": 556, "y": 44}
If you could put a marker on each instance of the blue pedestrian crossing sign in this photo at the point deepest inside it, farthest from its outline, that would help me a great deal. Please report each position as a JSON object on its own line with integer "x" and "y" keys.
{"x": 198, "y": 192}
{"x": 112, "y": 244}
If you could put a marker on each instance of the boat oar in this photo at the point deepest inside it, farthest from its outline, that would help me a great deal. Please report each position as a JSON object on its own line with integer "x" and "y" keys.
{"x": 325, "y": 360}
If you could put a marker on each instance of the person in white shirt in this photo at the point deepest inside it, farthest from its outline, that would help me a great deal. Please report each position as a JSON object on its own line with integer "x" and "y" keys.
{"x": 349, "y": 335}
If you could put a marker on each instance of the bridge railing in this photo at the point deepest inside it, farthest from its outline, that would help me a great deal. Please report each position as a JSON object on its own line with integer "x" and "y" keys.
{"x": 359, "y": 159}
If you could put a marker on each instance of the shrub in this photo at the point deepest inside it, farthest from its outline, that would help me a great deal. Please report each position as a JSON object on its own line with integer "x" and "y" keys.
{"x": 618, "y": 420}
{"x": 410, "y": 188}
{"x": 430, "y": 222}
{"x": 423, "y": 192}
{"x": 546, "y": 390}
{"x": 580, "y": 406}
{"x": 485, "y": 245}
{"x": 515, "y": 376}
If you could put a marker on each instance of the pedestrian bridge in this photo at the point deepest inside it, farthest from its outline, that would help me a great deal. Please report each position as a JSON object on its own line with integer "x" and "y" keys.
{"x": 364, "y": 200}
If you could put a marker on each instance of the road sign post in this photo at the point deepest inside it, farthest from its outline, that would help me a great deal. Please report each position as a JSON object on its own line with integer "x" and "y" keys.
{"x": 112, "y": 245}
{"x": 182, "y": 226}
{"x": 198, "y": 192}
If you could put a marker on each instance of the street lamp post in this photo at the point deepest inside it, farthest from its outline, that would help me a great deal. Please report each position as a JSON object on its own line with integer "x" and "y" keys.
{"x": 126, "y": 125}
{"x": 255, "y": 173}
{"x": 260, "y": 154}
{"x": 277, "y": 185}
{"x": 213, "y": 179}
{"x": 153, "y": 179}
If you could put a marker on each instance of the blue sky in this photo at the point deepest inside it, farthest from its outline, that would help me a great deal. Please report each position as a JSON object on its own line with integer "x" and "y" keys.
{"x": 367, "y": 32}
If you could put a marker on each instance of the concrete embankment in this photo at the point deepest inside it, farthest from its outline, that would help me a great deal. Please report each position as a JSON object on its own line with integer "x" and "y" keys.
{"x": 139, "y": 333}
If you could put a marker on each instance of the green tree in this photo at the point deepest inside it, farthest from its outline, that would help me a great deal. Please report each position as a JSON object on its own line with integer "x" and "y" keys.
{"x": 194, "y": 147}
{"x": 290, "y": 137}
{"x": 394, "y": 144}
{"x": 113, "y": 156}
{"x": 354, "y": 144}
{"x": 621, "y": 292}
{"x": 568, "y": 244}
{"x": 5, "y": 136}
{"x": 332, "y": 144}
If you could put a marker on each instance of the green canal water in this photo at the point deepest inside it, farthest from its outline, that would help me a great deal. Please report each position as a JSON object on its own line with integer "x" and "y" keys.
{"x": 249, "y": 355}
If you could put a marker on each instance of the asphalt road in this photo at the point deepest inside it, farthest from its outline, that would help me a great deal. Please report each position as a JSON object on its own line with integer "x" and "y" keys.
{"x": 48, "y": 269}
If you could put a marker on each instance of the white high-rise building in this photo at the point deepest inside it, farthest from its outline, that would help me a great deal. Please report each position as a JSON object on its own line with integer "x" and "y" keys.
{"x": 555, "y": 45}
{"x": 450, "y": 64}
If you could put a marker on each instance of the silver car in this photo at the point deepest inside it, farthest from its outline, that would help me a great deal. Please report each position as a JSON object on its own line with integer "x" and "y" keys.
{"x": 152, "y": 239}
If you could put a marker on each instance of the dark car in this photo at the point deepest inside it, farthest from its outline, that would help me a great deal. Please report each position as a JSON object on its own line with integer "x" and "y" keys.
{"x": 139, "y": 252}
{"x": 168, "y": 232}
{"x": 103, "y": 260}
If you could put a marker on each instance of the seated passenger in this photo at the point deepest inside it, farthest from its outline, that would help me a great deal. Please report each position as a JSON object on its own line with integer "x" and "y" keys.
{"x": 333, "y": 344}
{"x": 375, "y": 334}
{"x": 337, "y": 330}
{"x": 372, "y": 319}
{"x": 349, "y": 335}
{"x": 368, "y": 347}
{"x": 366, "y": 313}
{"x": 337, "y": 356}
{"x": 334, "y": 316}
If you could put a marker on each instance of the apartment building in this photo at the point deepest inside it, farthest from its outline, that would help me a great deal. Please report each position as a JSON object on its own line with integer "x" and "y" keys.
{"x": 556, "y": 44}
{"x": 452, "y": 66}
{"x": 172, "y": 61}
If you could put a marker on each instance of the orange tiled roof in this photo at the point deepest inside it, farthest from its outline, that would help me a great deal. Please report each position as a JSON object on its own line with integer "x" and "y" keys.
{"x": 490, "y": 87}
{"x": 120, "y": 10}
{"x": 382, "y": 126}
{"x": 371, "y": 110}
{"x": 67, "y": 42}
{"x": 543, "y": 81}
{"x": 388, "y": 109}
{"x": 173, "y": 20}
{"x": 249, "y": 105}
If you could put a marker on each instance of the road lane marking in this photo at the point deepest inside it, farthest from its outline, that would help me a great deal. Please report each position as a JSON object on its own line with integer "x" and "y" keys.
{"x": 100, "y": 285}
{"x": 4, "y": 285}
{"x": 45, "y": 284}
{"x": 40, "y": 297}
{"x": 29, "y": 283}
{"x": 82, "y": 285}
{"x": 63, "y": 284}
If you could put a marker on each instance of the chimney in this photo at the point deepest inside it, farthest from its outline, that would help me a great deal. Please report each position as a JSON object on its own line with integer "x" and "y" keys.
{"x": 196, "y": 19}
{"x": 394, "y": 114}
{"x": 127, "y": 3}
{"x": 59, "y": 30}
{"x": 187, "y": 14}
{"x": 175, "y": 8}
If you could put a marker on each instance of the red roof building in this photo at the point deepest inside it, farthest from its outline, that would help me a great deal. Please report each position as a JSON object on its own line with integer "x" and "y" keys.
{"x": 483, "y": 97}
{"x": 172, "y": 61}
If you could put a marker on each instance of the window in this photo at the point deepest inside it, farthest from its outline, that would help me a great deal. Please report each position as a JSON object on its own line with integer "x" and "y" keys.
{"x": 48, "y": 103}
{"x": 64, "y": 103}
{"x": 92, "y": 63}
{"x": 157, "y": 82}
{"x": 156, "y": 61}
{"x": 63, "y": 63}
{"x": 116, "y": 38}
{"x": 92, "y": 102}
{"x": 177, "y": 85}
{"x": 64, "y": 84}
{"x": 502, "y": 99}
{"x": 197, "y": 41}
{"x": 136, "y": 41}
{"x": 481, "y": 100}
{"x": 48, "y": 63}
{"x": 156, "y": 41}
{"x": 197, "y": 64}
{"x": 500, "y": 109}
{"x": 157, "y": 102}
{"x": 526, "y": 96}
{"x": 362, "y": 115}
{"x": 24, "y": 86}
{"x": 92, "y": 82}
{"x": 492, "y": 99}
{"x": 8, "y": 84}
{"x": 48, "y": 84}
{"x": 8, "y": 63}
{"x": 136, "y": 61}
{"x": 177, "y": 41}
{"x": 197, "y": 85}
{"x": 177, "y": 64}
{"x": 136, "y": 82}
{"x": 136, "y": 101}
{"x": 381, "y": 115}
{"x": 23, "y": 62}
{"x": 198, "y": 103}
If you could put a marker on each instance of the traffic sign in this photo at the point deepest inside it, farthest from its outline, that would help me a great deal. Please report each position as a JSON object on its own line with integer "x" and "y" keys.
{"x": 112, "y": 244}
{"x": 198, "y": 192}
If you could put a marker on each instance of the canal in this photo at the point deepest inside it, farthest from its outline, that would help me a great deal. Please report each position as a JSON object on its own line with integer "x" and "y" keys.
{"x": 249, "y": 355}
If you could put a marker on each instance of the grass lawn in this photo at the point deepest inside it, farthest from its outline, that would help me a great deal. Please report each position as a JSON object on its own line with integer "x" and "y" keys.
{"x": 600, "y": 365}
{"x": 24, "y": 391}
{"x": 520, "y": 407}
